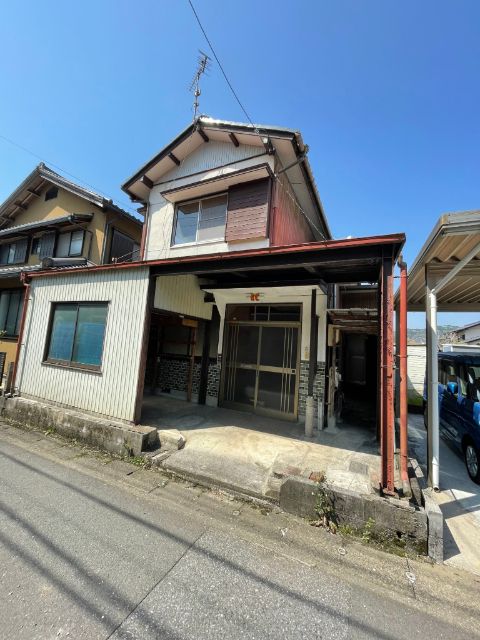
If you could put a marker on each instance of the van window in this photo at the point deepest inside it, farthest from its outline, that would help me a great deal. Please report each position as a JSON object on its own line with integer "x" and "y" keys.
{"x": 462, "y": 374}
{"x": 446, "y": 372}
{"x": 473, "y": 382}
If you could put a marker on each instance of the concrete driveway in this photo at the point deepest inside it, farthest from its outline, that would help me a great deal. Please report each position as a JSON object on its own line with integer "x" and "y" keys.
{"x": 458, "y": 498}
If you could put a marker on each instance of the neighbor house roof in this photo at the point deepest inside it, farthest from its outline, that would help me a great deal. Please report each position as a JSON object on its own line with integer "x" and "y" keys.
{"x": 31, "y": 187}
{"x": 45, "y": 224}
{"x": 287, "y": 143}
{"x": 467, "y": 326}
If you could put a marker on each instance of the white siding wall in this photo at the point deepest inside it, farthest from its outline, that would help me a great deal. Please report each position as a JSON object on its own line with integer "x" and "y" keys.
{"x": 181, "y": 294}
{"x": 416, "y": 364}
{"x": 472, "y": 333}
{"x": 161, "y": 213}
{"x": 210, "y": 155}
{"x": 112, "y": 392}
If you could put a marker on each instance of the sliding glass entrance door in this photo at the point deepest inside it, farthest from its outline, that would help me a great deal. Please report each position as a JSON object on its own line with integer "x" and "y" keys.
{"x": 261, "y": 360}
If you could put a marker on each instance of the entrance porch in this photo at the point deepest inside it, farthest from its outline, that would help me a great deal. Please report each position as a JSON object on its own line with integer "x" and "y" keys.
{"x": 251, "y": 454}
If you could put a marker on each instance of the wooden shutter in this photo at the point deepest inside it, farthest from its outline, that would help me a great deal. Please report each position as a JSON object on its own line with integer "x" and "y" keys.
{"x": 247, "y": 211}
{"x": 47, "y": 245}
{"x": 122, "y": 247}
{"x": 20, "y": 251}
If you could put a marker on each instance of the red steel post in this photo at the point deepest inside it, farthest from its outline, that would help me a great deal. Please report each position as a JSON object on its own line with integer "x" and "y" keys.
{"x": 387, "y": 442}
{"x": 403, "y": 372}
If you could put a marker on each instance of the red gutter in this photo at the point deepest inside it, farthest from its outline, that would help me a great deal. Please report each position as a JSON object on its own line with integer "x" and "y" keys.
{"x": 403, "y": 372}
{"x": 24, "y": 279}
{"x": 311, "y": 246}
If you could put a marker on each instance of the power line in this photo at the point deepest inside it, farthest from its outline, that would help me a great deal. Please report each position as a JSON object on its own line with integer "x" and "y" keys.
{"x": 256, "y": 128}
{"x": 67, "y": 173}
{"x": 218, "y": 62}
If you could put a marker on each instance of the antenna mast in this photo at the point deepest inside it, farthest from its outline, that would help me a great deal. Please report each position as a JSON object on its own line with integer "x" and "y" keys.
{"x": 203, "y": 65}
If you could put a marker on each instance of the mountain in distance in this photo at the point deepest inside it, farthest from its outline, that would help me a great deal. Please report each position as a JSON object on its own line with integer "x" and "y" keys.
{"x": 418, "y": 335}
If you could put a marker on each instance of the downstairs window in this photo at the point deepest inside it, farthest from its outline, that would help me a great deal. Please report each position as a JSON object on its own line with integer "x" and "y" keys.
{"x": 76, "y": 334}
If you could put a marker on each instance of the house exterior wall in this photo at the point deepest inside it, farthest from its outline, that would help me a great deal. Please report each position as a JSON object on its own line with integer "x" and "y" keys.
{"x": 66, "y": 202}
{"x": 182, "y": 295}
{"x": 472, "y": 333}
{"x": 112, "y": 391}
{"x": 210, "y": 160}
{"x": 288, "y": 225}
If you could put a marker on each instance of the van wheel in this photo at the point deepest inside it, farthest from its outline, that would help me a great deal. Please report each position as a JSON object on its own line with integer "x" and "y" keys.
{"x": 425, "y": 415}
{"x": 472, "y": 461}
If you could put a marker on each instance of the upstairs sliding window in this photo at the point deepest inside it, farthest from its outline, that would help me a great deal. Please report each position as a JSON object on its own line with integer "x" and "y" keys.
{"x": 201, "y": 220}
{"x": 76, "y": 335}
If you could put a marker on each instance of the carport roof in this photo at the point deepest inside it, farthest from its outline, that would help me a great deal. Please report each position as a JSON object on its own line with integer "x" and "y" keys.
{"x": 332, "y": 262}
{"x": 454, "y": 235}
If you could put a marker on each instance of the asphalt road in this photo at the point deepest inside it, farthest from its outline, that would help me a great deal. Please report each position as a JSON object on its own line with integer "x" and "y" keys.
{"x": 86, "y": 557}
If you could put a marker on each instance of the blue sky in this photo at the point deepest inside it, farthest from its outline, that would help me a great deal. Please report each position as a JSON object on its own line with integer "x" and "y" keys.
{"x": 385, "y": 93}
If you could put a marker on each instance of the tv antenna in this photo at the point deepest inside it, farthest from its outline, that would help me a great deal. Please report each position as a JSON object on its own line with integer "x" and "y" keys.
{"x": 203, "y": 65}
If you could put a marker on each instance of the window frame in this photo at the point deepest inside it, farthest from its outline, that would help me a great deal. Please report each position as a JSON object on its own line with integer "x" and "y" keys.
{"x": 71, "y": 364}
{"x": 13, "y": 336}
{"x": 9, "y": 245}
{"x": 199, "y": 200}
{"x": 70, "y": 254}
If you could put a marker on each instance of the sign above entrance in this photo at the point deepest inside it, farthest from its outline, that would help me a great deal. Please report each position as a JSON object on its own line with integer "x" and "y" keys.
{"x": 255, "y": 297}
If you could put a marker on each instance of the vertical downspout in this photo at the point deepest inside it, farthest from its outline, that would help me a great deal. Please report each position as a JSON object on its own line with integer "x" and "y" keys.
{"x": 144, "y": 233}
{"x": 403, "y": 377}
{"x": 311, "y": 367}
{"x": 24, "y": 279}
{"x": 434, "y": 391}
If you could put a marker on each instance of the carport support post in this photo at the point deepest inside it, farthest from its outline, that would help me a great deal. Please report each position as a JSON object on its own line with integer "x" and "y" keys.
{"x": 402, "y": 359}
{"x": 387, "y": 439}
{"x": 311, "y": 366}
{"x": 433, "y": 436}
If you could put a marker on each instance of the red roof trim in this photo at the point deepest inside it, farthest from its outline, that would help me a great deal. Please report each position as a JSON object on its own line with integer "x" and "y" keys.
{"x": 344, "y": 243}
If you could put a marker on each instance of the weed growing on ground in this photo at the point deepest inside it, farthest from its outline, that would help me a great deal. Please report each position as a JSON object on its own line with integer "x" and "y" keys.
{"x": 324, "y": 509}
{"x": 49, "y": 431}
{"x": 367, "y": 534}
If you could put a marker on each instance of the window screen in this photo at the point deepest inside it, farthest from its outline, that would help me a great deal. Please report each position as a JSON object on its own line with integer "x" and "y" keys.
{"x": 201, "y": 220}
{"x": 77, "y": 333}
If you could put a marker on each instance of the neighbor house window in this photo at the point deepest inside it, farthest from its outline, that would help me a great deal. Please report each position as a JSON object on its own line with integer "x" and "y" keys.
{"x": 51, "y": 193}
{"x": 11, "y": 306}
{"x": 70, "y": 244}
{"x": 202, "y": 220}
{"x": 14, "y": 252}
{"x": 36, "y": 246}
{"x": 76, "y": 334}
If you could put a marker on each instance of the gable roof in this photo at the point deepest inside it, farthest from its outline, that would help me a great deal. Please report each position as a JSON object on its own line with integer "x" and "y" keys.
{"x": 287, "y": 143}
{"x": 32, "y": 186}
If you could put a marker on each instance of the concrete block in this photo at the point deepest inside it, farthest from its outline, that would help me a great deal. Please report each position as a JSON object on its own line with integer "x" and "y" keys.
{"x": 435, "y": 526}
{"x": 159, "y": 458}
{"x": 171, "y": 439}
{"x": 298, "y": 496}
{"x": 272, "y": 488}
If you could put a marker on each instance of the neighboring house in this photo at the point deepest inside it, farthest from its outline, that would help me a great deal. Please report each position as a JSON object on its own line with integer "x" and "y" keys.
{"x": 234, "y": 301}
{"x": 469, "y": 334}
{"x": 49, "y": 216}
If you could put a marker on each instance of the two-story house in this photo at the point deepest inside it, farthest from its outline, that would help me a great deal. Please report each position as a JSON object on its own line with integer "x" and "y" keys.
{"x": 234, "y": 302}
{"x": 49, "y": 216}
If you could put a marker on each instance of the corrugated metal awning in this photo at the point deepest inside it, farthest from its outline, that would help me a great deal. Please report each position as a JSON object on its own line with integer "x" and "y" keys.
{"x": 454, "y": 235}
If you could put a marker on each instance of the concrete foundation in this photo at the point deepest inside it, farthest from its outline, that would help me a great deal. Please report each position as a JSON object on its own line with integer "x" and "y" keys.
{"x": 396, "y": 522}
{"x": 111, "y": 437}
